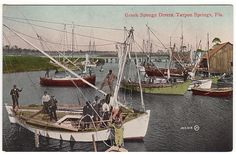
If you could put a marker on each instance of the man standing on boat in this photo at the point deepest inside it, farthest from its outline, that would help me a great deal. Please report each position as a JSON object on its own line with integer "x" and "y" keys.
{"x": 53, "y": 108}
{"x": 45, "y": 102}
{"x": 87, "y": 115}
{"x": 97, "y": 106}
{"x": 110, "y": 77}
{"x": 105, "y": 112}
{"x": 47, "y": 73}
{"x": 15, "y": 96}
{"x": 119, "y": 131}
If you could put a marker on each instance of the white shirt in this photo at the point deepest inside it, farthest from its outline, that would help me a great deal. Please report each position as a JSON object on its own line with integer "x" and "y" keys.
{"x": 45, "y": 98}
{"x": 105, "y": 107}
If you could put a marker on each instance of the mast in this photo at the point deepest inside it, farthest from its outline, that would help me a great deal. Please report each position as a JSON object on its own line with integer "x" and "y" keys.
{"x": 196, "y": 43}
{"x": 125, "y": 33}
{"x": 182, "y": 37}
{"x": 94, "y": 47}
{"x": 139, "y": 81}
{"x": 89, "y": 46}
{"x": 64, "y": 49}
{"x": 208, "y": 57}
{"x": 122, "y": 63}
{"x": 72, "y": 40}
{"x": 170, "y": 59}
{"x": 191, "y": 55}
{"x": 149, "y": 44}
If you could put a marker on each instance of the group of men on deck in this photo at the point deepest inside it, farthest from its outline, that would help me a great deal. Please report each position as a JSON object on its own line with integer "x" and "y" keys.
{"x": 97, "y": 113}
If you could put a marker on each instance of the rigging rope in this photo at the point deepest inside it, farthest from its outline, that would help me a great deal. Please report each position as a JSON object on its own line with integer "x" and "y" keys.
{"x": 79, "y": 25}
{"x": 157, "y": 37}
{"x": 62, "y": 44}
{"x": 153, "y": 63}
{"x": 68, "y": 32}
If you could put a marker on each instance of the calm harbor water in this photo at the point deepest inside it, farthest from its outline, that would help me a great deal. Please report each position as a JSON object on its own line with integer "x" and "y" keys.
{"x": 177, "y": 123}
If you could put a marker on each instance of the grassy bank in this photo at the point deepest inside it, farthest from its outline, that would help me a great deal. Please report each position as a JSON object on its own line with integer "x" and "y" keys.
{"x": 25, "y": 63}
{"x": 29, "y": 63}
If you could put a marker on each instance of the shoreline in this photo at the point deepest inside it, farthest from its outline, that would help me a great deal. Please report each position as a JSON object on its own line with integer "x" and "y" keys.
{"x": 27, "y": 63}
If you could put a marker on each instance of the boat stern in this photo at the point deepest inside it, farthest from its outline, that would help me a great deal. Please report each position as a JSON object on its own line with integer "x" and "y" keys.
{"x": 136, "y": 129}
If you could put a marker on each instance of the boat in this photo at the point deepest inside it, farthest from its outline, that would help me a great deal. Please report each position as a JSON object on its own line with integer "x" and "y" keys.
{"x": 204, "y": 84}
{"x": 67, "y": 81}
{"x": 68, "y": 126}
{"x": 67, "y": 129}
{"x": 213, "y": 92}
{"x": 168, "y": 81}
{"x": 178, "y": 88}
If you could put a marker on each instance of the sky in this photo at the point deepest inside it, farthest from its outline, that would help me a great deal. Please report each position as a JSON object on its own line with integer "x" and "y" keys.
{"x": 165, "y": 21}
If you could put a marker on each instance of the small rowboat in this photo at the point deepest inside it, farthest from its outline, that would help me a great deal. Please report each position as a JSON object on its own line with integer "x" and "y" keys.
{"x": 213, "y": 92}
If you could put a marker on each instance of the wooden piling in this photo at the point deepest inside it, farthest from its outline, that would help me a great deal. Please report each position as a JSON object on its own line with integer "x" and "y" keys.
{"x": 36, "y": 138}
{"x": 94, "y": 144}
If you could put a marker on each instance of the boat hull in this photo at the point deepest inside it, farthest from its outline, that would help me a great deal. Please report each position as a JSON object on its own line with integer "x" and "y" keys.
{"x": 67, "y": 82}
{"x": 101, "y": 135}
{"x": 174, "y": 89}
{"x": 204, "y": 84}
{"x": 214, "y": 92}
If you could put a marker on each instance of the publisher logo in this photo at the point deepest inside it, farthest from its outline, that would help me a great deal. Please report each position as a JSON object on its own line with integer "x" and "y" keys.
{"x": 196, "y": 128}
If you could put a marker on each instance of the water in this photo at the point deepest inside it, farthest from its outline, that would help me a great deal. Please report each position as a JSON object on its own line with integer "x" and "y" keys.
{"x": 171, "y": 126}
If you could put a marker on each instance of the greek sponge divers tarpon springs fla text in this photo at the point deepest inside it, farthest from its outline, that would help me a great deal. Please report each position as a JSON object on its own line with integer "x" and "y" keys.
{"x": 176, "y": 14}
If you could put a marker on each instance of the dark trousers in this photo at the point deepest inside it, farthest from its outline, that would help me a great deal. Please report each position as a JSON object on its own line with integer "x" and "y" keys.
{"x": 15, "y": 101}
{"x": 53, "y": 114}
{"x": 46, "y": 107}
{"x": 106, "y": 117}
{"x": 87, "y": 121}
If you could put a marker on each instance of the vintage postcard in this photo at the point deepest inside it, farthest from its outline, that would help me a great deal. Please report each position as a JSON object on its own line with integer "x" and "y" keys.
{"x": 117, "y": 78}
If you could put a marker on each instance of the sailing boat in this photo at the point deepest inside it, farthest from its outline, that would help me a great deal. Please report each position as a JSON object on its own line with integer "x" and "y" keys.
{"x": 154, "y": 71}
{"x": 154, "y": 85}
{"x": 200, "y": 83}
{"x": 68, "y": 126}
{"x": 66, "y": 80}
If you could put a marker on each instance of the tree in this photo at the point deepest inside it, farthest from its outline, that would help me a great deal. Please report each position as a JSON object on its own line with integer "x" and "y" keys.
{"x": 6, "y": 47}
{"x": 216, "y": 41}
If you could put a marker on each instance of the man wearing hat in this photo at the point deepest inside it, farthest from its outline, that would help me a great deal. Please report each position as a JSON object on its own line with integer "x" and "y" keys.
{"x": 15, "y": 96}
